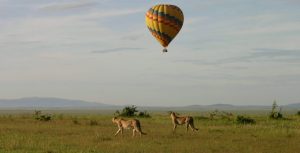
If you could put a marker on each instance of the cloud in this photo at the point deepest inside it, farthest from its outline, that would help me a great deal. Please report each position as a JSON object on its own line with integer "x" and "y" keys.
{"x": 116, "y": 50}
{"x": 250, "y": 24}
{"x": 278, "y": 55}
{"x": 270, "y": 29}
{"x": 132, "y": 37}
{"x": 67, "y": 6}
{"x": 194, "y": 20}
{"x": 268, "y": 54}
{"x": 113, "y": 13}
{"x": 83, "y": 30}
{"x": 22, "y": 42}
{"x": 259, "y": 55}
{"x": 272, "y": 52}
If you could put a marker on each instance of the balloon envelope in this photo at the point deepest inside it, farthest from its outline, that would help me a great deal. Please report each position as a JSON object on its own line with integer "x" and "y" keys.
{"x": 164, "y": 22}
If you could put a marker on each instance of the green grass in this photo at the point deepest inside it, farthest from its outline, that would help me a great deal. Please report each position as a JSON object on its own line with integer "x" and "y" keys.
{"x": 67, "y": 133}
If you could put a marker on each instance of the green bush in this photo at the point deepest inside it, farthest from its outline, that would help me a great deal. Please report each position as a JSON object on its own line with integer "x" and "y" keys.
{"x": 298, "y": 113}
{"x": 42, "y": 117}
{"x": 75, "y": 121}
{"x": 131, "y": 111}
{"x": 276, "y": 112}
{"x": 60, "y": 116}
{"x": 221, "y": 115}
{"x": 93, "y": 122}
{"x": 276, "y": 115}
{"x": 128, "y": 111}
{"x": 143, "y": 114}
{"x": 244, "y": 120}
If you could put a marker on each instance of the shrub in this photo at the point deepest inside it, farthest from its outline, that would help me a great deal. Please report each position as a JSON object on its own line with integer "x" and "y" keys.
{"x": 37, "y": 113}
{"x": 244, "y": 120}
{"x": 298, "y": 113}
{"x": 93, "y": 122}
{"x": 45, "y": 117}
{"x": 42, "y": 117}
{"x": 276, "y": 112}
{"x": 75, "y": 121}
{"x": 60, "y": 116}
{"x": 144, "y": 114}
{"x": 117, "y": 113}
{"x": 221, "y": 115}
{"x": 130, "y": 111}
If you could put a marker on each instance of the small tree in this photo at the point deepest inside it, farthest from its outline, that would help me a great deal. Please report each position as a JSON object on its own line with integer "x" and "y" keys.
{"x": 128, "y": 111}
{"x": 298, "y": 113}
{"x": 93, "y": 123}
{"x": 144, "y": 114}
{"x": 244, "y": 120}
{"x": 37, "y": 114}
{"x": 212, "y": 115}
{"x": 42, "y": 117}
{"x": 276, "y": 111}
{"x": 221, "y": 115}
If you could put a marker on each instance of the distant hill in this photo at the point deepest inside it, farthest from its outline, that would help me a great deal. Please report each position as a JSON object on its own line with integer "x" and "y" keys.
{"x": 295, "y": 106}
{"x": 225, "y": 107}
{"x": 214, "y": 106}
{"x": 50, "y": 103}
{"x": 37, "y": 102}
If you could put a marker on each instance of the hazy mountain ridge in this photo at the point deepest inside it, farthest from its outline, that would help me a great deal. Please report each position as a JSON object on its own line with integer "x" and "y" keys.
{"x": 38, "y": 102}
{"x": 41, "y": 102}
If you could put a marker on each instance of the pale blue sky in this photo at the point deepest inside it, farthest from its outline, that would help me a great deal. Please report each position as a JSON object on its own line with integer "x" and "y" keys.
{"x": 228, "y": 51}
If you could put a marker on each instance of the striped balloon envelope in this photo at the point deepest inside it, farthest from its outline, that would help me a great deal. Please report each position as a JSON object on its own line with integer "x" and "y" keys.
{"x": 164, "y": 22}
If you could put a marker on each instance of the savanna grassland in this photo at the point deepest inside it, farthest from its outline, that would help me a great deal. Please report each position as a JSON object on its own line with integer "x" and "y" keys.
{"x": 93, "y": 133}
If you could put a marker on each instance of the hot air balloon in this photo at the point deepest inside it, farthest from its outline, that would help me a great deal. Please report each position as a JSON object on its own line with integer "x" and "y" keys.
{"x": 164, "y": 22}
